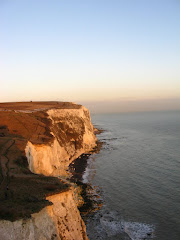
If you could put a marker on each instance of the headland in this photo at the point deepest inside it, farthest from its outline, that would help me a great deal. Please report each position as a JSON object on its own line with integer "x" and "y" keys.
{"x": 38, "y": 142}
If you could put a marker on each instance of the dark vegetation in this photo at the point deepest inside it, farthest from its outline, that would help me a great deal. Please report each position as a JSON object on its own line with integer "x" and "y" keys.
{"x": 64, "y": 133}
{"x": 27, "y": 195}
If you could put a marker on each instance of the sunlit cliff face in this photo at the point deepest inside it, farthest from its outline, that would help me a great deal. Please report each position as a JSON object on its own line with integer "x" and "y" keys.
{"x": 73, "y": 134}
{"x": 61, "y": 220}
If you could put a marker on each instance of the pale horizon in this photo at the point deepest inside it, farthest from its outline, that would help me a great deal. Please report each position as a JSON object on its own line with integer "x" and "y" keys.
{"x": 125, "y": 106}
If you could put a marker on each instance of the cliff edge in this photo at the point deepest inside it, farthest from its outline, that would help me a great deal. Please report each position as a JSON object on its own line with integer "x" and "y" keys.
{"x": 38, "y": 141}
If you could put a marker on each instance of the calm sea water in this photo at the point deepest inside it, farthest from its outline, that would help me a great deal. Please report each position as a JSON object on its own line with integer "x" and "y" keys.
{"x": 138, "y": 175}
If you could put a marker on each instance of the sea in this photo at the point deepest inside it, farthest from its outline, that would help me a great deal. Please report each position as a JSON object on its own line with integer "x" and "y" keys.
{"x": 136, "y": 177}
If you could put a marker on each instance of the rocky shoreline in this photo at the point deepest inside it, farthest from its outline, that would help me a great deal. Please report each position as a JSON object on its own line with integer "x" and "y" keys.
{"x": 77, "y": 169}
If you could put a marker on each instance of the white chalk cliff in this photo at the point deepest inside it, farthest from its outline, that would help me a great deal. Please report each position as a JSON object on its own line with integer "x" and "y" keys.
{"x": 60, "y": 221}
{"x": 73, "y": 134}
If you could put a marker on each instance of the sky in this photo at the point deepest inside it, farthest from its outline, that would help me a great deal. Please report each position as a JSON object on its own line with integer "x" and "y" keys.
{"x": 91, "y": 51}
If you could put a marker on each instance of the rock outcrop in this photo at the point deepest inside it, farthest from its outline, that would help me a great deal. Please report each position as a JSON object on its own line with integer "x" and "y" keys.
{"x": 59, "y": 221}
{"x": 38, "y": 141}
{"x": 73, "y": 135}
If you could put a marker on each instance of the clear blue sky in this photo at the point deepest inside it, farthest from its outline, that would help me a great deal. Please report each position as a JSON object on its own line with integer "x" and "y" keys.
{"x": 89, "y": 50}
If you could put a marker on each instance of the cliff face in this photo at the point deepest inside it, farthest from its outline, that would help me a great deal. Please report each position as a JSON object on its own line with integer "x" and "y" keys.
{"x": 59, "y": 221}
{"x": 43, "y": 138}
{"x": 73, "y": 135}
